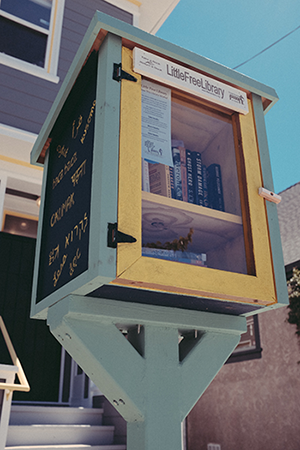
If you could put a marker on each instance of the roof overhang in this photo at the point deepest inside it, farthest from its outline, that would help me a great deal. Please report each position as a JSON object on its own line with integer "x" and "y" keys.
{"x": 102, "y": 24}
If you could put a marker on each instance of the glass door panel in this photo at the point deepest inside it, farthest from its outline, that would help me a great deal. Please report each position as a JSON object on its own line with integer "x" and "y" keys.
{"x": 191, "y": 210}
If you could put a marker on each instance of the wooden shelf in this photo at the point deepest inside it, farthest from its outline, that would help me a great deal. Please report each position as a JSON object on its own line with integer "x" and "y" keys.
{"x": 165, "y": 219}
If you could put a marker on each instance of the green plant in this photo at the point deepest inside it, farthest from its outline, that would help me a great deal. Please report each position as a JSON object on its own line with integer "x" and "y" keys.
{"x": 177, "y": 244}
{"x": 294, "y": 296}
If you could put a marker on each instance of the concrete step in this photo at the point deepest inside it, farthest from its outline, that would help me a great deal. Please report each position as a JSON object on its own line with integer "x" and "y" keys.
{"x": 68, "y": 447}
{"x": 41, "y": 434}
{"x": 29, "y": 415}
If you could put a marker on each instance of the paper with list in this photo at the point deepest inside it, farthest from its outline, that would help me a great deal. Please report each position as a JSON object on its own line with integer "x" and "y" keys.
{"x": 156, "y": 123}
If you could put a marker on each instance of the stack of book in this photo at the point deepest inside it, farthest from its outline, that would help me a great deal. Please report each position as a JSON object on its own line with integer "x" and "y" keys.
{"x": 198, "y": 259}
{"x": 189, "y": 180}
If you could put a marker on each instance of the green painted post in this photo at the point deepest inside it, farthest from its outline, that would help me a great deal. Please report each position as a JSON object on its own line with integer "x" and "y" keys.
{"x": 151, "y": 379}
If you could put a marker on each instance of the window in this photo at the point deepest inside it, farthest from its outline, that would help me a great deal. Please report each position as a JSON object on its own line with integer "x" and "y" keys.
{"x": 192, "y": 211}
{"x": 20, "y": 224}
{"x": 249, "y": 347}
{"x": 30, "y": 35}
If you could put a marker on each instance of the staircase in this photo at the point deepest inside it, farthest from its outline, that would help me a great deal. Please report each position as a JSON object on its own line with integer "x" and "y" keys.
{"x": 67, "y": 428}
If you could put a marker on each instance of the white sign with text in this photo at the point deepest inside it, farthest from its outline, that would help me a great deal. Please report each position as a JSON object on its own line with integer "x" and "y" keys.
{"x": 172, "y": 74}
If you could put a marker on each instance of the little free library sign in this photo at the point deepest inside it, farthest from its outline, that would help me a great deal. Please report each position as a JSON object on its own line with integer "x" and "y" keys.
{"x": 176, "y": 75}
{"x": 104, "y": 232}
{"x": 65, "y": 235}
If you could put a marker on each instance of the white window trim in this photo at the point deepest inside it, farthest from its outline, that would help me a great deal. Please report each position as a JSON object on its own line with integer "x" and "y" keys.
{"x": 23, "y": 22}
{"x": 49, "y": 72}
{"x": 17, "y": 133}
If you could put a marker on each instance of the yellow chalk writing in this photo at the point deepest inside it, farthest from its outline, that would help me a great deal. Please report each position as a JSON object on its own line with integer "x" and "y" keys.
{"x": 70, "y": 163}
{"x": 57, "y": 273}
{"x": 75, "y": 127}
{"x": 73, "y": 264}
{"x": 53, "y": 255}
{"x": 57, "y": 179}
{"x": 78, "y": 173}
{"x": 62, "y": 151}
{"x": 63, "y": 209}
{"x": 76, "y": 231}
{"x": 89, "y": 119}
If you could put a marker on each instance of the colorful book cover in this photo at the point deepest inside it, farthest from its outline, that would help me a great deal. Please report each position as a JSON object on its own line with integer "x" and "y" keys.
{"x": 177, "y": 174}
{"x": 198, "y": 259}
{"x": 215, "y": 188}
{"x": 159, "y": 253}
{"x": 190, "y": 177}
{"x": 159, "y": 178}
{"x": 198, "y": 178}
{"x": 183, "y": 173}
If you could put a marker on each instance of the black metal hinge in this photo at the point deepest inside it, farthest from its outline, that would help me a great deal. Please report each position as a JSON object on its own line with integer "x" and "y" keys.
{"x": 120, "y": 74}
{"x": 114, "y": 236}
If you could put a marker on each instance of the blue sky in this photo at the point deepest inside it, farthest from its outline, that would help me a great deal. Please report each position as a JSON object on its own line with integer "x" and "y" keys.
{"x": 230, "y": 32}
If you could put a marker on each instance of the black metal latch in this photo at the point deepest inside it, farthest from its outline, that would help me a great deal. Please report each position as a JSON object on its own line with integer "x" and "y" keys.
{"x": 114, "y": 236}
{"x": 120, "y": 74}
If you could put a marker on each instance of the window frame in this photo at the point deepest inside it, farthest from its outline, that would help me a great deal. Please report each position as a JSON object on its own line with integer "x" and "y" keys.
{"x": 49, "y": 71}
{"x": 248, "y": 354}
{"x": 169, "y": 276}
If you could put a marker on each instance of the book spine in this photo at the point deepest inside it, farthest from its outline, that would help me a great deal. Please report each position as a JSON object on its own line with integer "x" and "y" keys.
{"x": 197, "y": 175}
{"x": 171, "y": 255}
{"x": 145, "y": 176}
{"x": 159, "y": 177}
{"x": 177, "y": 174}
{"x": 190, "y": 178}
{"x": 172, "y": 185}
{"x": 215, "y": 188}
{"x": 205, "y": 188}
{"x": 159, "y": 253}
{"x": 168, "y": 181}
{"x": 183, "y": 173}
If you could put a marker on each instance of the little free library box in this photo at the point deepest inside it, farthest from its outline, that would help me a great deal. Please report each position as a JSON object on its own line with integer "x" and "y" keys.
{"x": 153, "y": 160}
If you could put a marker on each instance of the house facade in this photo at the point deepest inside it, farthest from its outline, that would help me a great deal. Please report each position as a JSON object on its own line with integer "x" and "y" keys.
{"x": 53, "y": 31}
{"x": 254, "y": 404}
{"x": 38, "y": 41}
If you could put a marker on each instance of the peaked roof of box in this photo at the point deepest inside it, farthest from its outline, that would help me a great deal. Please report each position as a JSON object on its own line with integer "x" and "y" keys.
{"x": 101, "y": 24}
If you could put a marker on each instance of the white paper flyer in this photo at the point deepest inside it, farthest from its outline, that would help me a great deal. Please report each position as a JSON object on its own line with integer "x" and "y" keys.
{"x": 156, "y": 123}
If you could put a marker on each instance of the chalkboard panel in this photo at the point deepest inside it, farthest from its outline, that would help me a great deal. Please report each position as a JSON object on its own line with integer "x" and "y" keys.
{"x": 65, "y": 233}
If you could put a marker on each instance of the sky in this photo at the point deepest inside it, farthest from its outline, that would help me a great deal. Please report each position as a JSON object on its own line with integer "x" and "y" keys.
{"x": 232, "y": 31}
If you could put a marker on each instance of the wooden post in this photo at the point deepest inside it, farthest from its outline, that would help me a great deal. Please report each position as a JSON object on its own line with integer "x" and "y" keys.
{"x": 155, "y": 376}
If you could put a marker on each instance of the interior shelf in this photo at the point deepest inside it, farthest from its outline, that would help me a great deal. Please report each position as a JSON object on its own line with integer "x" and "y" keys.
{"x": 165, "y": 219}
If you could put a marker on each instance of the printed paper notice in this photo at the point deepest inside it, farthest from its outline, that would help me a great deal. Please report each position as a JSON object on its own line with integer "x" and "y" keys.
{"x": 156, "y": 123}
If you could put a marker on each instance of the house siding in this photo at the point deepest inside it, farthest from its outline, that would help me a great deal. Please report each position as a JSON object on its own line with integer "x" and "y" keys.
{"x": 35, "y": 346}
{"x": 25, "y": 99}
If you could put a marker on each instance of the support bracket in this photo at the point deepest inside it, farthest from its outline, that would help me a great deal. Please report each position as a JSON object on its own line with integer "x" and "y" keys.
{"x": 146, "y": 377}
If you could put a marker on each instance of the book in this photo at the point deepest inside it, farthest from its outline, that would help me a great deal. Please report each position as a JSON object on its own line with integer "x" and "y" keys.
{"x": 176, "y": 143}
{"x": 171, "y": 170}
{"x": 159, "y": 179}
{"x": 215, "y": 188}
{"x": 198, "y": 259}
{"x": 182, "y": 152}
{"x": 145, "y": 176}
{"x": 190, "y": 177}
{"x": 198, "y": 178}
{"x": 177, "y": 174}
{"x": 205, "y": 188}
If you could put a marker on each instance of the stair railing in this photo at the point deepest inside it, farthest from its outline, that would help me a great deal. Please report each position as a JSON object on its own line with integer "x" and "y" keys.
{"x": 24, "y": 385}
{"x": 6, "y": 389}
